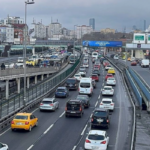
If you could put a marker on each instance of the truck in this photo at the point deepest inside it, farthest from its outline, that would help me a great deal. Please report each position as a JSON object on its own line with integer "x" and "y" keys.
{"x": 145, "y": 63}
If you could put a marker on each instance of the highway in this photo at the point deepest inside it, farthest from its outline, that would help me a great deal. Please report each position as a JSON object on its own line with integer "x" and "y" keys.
{"x": 56, "y": 132}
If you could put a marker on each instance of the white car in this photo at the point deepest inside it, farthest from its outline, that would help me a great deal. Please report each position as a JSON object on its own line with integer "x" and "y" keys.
{"x": 107, "y": 103}
{"x": 96, "y": 140}
{"x": 86, "y": 65}
{"x": 108, "y": 67}
{"x": 107, "y": 90}
{"x": 3, "y": 146}
{"x": 111, "y": 81}
{"x": 11, "y": 65}
{"x": 78, "y": 76}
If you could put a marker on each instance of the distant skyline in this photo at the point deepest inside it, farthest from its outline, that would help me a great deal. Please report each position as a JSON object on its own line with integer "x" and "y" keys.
{"x": 113, "y": 14}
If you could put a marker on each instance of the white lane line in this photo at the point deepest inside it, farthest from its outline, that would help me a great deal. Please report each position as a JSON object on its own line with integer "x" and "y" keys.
{"x": 74, "y": 148}
{"x": 91, "y": 116}
{"x": 62, "y": 114}
{"x": 4, "y": 132}
{"x": 103, "y": 84}
{"x": 35, "y": 110}
{"x": 48, "y": 129}
{"x": 30, "y": 147}
{"x": 99, "y": 97}
{"x": 96, "y": 103}
{"x": 84, "y": 130}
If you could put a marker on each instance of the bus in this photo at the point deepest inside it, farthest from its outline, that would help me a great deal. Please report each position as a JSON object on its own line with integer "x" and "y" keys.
{"x": 73, "y": 58}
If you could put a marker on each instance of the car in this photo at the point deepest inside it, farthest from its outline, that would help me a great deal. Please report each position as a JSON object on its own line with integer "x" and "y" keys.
{"x": 85, "y": 65}
{"x": 133, "y": 63}
{"x": 108, "y": 75}
{"x": 129, "y": 59}
{"x": 95, "y": 77}
{"x": 49, "y": 104}
{"x": 97, "y": 66}
{"x": 10, "y": 65}
{"x": 72, "y": 83}
{"x": 97, "y": 63}
{"x": 106, "y": 63}
{"x": 94, "y": 83}
{"x": 78, "y": 76}
{"x": 96, "y": 71}
{"x": 111, "y": 70}
{"x": 3, "y": 146}
{"x": 107, "y": 90}
{"x": 107, "y": 103}
{"x": 74, "y": 108}
{"x": 100, "y": 118}
{"x": 108, "y": 67}
{"x": 82, "y": 71}
{"x": 61, "y": 92}
{"x": 24, "y": 121}
{"x": 111, "y": 81}
{"x": 85, "y": 100}
{"x": 96, "y": 140}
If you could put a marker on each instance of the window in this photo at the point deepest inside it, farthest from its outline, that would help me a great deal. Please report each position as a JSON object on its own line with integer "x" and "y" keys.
{"x": 106, "y": 102}
{"x": 60, "y": 90}
{"x": 71, "y": 81}
{"x": 85, "y": 85}
{"x": 1, "y": 145}
{"x": 100, "y": 113}
{"x": 95, "y": 137}
{"x": 21, "y": 117}
{"x": 46, "y": 102}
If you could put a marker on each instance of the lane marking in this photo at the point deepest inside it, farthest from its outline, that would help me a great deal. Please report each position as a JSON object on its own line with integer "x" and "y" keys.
{"x": 5, "y": 132}
{"x": 74, "y": 148}
{"x": 96, "y": 103}
{"x": 48, "y": 129}
{"x": 99, "y": 97}
{"x": 35, "y": 110}
{"x": 103, "y": 84}
{"x": 62, "y": 114}
{"x": 30, "y": 147}
{"x": 84, "y": 130}
{"x": 91, "y": 116}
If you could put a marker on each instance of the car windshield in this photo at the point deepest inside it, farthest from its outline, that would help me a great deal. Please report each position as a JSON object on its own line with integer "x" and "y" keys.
{"x": 106, "y": 102}
{"x": 81, "y": 98}
{"x": 77, "y": 75}
{"x": 46, "y": 102}
{"x": 95, "y": 137}
{"x": 85, "y": 85}
{"x": 21, "y": 117}
{"x": 111, "y": 79}
{"x": 71, "y": 81}
{"x": 107, "y": 88}
{"x": 60, "y": 90}
{"x": 100, "y": 113}
{"x": 73, "y": 106}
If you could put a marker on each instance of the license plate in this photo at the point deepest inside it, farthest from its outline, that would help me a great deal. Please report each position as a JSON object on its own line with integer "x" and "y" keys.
{"x": 73, "y": 112}
{"x": 19, "y": 123}
{"x": 95, "y": 147}
{"x": 100, "y": 120}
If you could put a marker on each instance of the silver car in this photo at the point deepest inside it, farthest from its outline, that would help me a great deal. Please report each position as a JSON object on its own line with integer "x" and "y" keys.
{"x": 49, "y": 104}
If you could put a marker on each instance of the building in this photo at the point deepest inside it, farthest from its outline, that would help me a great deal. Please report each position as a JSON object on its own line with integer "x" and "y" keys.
{"x": 9, "y": 34}
{"x": 3, "y": 33}
{"x": 81, "y": 30}
{"x": 12, "y": 20}
{"x": 54, "y": 29}
{"x": 92, "y": 23}
{"x": 107, "y": 30}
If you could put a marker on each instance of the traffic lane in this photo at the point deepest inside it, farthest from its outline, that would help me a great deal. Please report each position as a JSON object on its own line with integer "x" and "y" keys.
{"x": 67, "y": 131}
{"x": 120, "y": 120}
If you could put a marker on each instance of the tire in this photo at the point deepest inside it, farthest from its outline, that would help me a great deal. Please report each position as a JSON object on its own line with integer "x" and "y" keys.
{"x": 66, "y": 115}
{"x": 81, "y": 115}
{"x": 12, "y": 130}
{"x": 107, "y": 126}
{"x": 58, "y": 106}
{"x": 36, "y": 124}
{"x": 30, "y": 129}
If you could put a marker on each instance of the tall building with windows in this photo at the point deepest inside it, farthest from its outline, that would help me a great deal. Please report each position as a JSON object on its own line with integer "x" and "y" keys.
{"x": 92, "y": 23}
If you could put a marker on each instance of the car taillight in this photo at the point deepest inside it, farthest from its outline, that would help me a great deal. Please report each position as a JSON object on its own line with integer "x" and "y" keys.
{"x": 112, "y": 104}
{"x": 101, "y": 103}
{"x": 111, "y": 90}
{"x": 51, "y": 104}
{"x": 78, "y": 89}
{"x": 92, "y": 120}
{"x": 26, "y": 123}
{"x": 12, "y": 122}
{"x": 65, "y": 108}
{"x": 107, "y": 120}
{"x": 80, "y": 109}
{"x": 91, "y": 89}
{"x": 104, "y": 142}
{"x": 87, "y": 141}
{"x": 41, "y": 104}
{"x": 75, "y": 85}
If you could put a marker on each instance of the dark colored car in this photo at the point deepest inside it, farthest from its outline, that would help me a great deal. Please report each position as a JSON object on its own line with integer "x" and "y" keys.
{"x": 102, "y": 59}
{"x": 108, "y": 75}
{"x": 95, "y": 77}
{"x": 85, "y": 100}
{"x": 100, "y": 118}
{"x": 72, "y": 83}
{"x": 74, "y": 108}
{"x": 96, "y": 71}
{"x": 133, "y": 63}
{"x": 61, "y": 92}
{"x": 94, "y": 83}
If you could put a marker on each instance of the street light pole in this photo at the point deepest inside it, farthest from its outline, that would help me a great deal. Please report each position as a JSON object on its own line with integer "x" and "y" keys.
{"x": 74, "y": 43}
{"x": 25, "y": 41}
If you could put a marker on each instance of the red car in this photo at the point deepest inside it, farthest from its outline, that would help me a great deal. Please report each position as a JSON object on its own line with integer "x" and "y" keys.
{"x": 108, "y": 76}
{"x": 133, "y": 63}
{"x": 95, "y": 77}
{"x": 97, "y": 66}
{"x": 105, "y": 63}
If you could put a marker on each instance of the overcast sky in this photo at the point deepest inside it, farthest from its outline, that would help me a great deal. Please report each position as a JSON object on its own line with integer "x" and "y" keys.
{"x": 115, "y": 14}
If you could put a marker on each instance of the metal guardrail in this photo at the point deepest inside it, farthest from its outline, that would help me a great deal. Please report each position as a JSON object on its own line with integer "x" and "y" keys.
{"x": 134, "y": 117}
{"x": 10, "y": 107}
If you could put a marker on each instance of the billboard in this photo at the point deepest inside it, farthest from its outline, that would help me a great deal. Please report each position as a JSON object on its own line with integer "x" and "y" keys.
{"x": 102, "y": 43}
{"x": 139, "y": 38}
{"x": 148, "y": 38}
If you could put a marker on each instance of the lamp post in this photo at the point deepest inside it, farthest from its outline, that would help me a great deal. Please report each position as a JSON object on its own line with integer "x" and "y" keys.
{"x": 74, "y": 43}
{"x": 25, "y": 40}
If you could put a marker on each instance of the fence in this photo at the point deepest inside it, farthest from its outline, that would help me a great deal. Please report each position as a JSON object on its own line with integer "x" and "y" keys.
{"x": 15, "y": 103}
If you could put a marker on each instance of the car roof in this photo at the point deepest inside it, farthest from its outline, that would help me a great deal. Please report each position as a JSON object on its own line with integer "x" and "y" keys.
{"x": 110, "y": 78}
{"x": 77, "y": 74}
{"x": 106, "y": 99}
{"x": 82, "y": 95}
{"x": 107, "y": 86}
{"x": 99, "y": 132}
{"x": 48, "y": 99}
{"x": 23, "y": 114}
{"x": 61, "y": 88}
{"x": 94, "y": 75}
{"x": 74, "y": 100}
{"x": 100, "y": 109}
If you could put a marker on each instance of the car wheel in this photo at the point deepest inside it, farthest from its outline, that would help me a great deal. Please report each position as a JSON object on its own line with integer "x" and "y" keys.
{"x": 81, "y": 115}
{"x": 13, "y": 130}
{"x": 55, "y": 96}
{"x": 58, "y": 106}
{"x": 30, "y": 129}
{"x": 66, "y": 116}
{"x": 108, "y": 126}
{"x": 36, "y": 124}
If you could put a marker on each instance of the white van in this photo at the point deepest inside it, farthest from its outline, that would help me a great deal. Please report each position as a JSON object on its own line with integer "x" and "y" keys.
{"x": 145, "y": 63}
{"x": 95, "y": 55}
{"x": 86, "y": 86}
